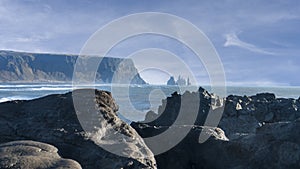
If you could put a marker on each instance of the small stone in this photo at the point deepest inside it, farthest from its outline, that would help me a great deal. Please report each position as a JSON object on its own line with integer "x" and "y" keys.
{"x": 238, "y": 106}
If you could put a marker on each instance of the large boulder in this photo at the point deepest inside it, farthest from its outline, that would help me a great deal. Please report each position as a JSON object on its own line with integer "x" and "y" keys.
{"x": 33, "y": 155}
{"x": 92, "y": 134}
{"x": 171, "y": 108}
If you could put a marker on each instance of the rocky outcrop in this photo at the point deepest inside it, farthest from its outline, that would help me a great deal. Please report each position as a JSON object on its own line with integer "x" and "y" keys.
{"x": 241, "y": 115}
{"x": 171, "y": 81}
{"x": 244, "y": 114}
{"x": 33, "y": 155}
{"x": 171, "y": 106}
{"x": 261, "y": 132}
{"x": 53, "y": 120}
{"x": 35, "y": 67}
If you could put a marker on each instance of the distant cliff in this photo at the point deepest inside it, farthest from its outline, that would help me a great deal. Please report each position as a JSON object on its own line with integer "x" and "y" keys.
{"x": 36, "y": 67}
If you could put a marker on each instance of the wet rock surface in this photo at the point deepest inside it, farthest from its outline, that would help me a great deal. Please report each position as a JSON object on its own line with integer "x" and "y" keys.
{"x": 53, "y": 120}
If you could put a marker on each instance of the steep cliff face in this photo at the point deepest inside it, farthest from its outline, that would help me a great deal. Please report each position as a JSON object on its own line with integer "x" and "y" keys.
{"x": 27, "y": 67}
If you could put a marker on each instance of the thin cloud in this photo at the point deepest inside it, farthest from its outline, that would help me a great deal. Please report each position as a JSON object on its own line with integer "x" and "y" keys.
{"x": 233, "y": 40}
{"x": 35, "y": 38}
{"x": 256, "y": 83}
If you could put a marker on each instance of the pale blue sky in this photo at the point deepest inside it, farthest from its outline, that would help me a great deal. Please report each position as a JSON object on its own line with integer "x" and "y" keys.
{"x": 258, "y": 41}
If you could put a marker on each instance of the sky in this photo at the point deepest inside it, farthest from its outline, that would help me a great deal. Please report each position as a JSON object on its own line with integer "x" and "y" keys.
{"x": 258, "y": 42}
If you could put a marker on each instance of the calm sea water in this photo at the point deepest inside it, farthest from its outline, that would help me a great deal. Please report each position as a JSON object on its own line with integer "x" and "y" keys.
{"x": 134, "y": 101}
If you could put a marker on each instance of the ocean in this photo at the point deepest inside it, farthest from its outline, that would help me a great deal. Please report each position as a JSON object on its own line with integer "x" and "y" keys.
{"x": 134, "y": 101}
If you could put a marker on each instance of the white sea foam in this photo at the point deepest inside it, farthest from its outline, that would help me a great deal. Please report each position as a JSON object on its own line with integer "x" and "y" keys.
{"x": 5, "y": 99}
{"x": 50, "y": 88}
{"x": 30, "y": 85}
{"x": 37, "y": 89}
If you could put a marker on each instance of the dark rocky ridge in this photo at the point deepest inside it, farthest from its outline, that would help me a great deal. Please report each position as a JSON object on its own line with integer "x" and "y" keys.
{"x": 262, "y": 131}
{"x": 53, "y": 120}
{"x": 34, "y": 67}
